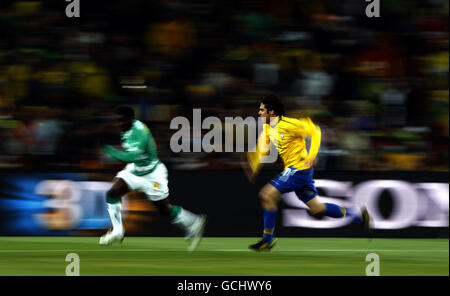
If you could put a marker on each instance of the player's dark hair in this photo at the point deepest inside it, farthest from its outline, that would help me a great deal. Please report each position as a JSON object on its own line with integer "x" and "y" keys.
{"x": 272, "y": 102}
{"x": 125, "y": 111}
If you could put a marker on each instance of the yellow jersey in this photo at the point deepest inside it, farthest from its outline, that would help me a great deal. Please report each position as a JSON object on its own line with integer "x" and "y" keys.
{"x": 288, "y": 136}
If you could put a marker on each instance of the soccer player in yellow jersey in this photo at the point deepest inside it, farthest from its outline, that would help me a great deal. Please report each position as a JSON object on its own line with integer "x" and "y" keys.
{"x": 288, "y": 136}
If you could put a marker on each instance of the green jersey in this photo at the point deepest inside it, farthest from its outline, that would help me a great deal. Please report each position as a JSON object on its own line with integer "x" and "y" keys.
{"x": 139, "y": 149}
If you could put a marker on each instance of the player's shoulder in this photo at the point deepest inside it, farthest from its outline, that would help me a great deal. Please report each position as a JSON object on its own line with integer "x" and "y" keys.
{"x": 140, "y": 126}
{"x": 296, "y": 121}
{"x": 290, "y": 120}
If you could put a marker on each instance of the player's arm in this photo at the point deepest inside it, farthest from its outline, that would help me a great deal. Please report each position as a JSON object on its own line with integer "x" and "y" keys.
{"x": 126, "y": 156}
{"x": 254, "y": 159}
{"x": 151, "y": 146}
{"x": 306, "y": 128}
{"x": 247, "y": 169}
{"x": 133, "y": 152}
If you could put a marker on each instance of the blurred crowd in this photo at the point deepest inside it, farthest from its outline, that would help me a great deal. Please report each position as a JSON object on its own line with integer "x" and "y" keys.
{"x": 378, "y": 87}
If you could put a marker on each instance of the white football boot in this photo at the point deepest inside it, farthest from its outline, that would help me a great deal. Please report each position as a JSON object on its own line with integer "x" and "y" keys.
{"x": 196, "y": 233}
{"x": 111, "y": 237}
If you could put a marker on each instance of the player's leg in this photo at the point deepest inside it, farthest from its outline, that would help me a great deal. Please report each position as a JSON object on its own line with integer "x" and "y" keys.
{"x": 163, "y": 206}
{"x": 309, "y": 195}
{"x": 177, "y": 215}
{"x": 307, "y": 192}
{"x": 319, "y": 209}
{"x": 192, "y": 224}
{"x": 269, "y": 196}
{"x": 114, "y": 207}
{"x": 157, "y": 191}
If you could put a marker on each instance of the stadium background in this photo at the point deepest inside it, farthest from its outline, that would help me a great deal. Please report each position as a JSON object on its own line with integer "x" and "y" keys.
{"x": 378, "y": 87}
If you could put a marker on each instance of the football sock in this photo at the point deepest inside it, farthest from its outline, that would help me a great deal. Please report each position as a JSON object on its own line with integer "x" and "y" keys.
{"x": 181, "y": 217}
{"x": 335, "y": 211}
{"x": 269, "y": 225}
{"x": 114, "y": 207}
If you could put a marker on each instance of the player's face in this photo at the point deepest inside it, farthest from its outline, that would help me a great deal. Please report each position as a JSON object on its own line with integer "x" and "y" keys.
{"x": 262, "y": 111}
{"x": 124, "y": 124}
{"x": 264, "y": 114}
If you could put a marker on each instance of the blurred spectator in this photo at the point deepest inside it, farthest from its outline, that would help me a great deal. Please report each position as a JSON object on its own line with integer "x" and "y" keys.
{"x": 377, "y": 87}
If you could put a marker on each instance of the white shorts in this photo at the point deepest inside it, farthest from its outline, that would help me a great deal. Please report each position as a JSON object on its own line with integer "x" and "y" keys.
{"x": 154, "y": 184}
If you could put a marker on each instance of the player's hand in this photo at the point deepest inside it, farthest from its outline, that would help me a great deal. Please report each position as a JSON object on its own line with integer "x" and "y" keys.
{"x": 311, "y": 162}
{"x": 247, "y": 170}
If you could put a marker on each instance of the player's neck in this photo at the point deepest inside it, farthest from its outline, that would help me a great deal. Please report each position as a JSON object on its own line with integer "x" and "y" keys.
{"x": 274, "y": 121}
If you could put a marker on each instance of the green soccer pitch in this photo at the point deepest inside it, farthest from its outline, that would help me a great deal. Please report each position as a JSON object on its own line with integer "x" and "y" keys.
{"x": 164, "y": 256}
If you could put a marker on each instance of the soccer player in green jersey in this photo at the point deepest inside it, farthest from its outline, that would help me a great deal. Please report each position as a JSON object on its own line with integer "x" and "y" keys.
{"x": 144, "y": 172}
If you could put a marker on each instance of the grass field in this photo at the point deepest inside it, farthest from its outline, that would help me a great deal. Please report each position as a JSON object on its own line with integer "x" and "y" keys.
{"x": 163, "y": 256}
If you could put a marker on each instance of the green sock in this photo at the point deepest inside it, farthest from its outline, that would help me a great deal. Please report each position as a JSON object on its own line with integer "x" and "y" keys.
{"x": 174, "y": 213}
{"x": 111, "y": 200}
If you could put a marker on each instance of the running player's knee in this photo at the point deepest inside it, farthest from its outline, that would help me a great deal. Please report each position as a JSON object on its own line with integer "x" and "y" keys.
{"x": 316, "y": 208}
{"x": 118, "y": 189}
{"x": 317, "y": 212}
{"x": 268, "y": 202}
{"x": 165, "y": 211}
{"x": 163, "y": 207}
{"x": 264, "y": 196}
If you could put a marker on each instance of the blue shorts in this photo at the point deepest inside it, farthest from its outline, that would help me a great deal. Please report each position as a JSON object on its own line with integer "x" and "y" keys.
{"x": 299, "y": 181}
